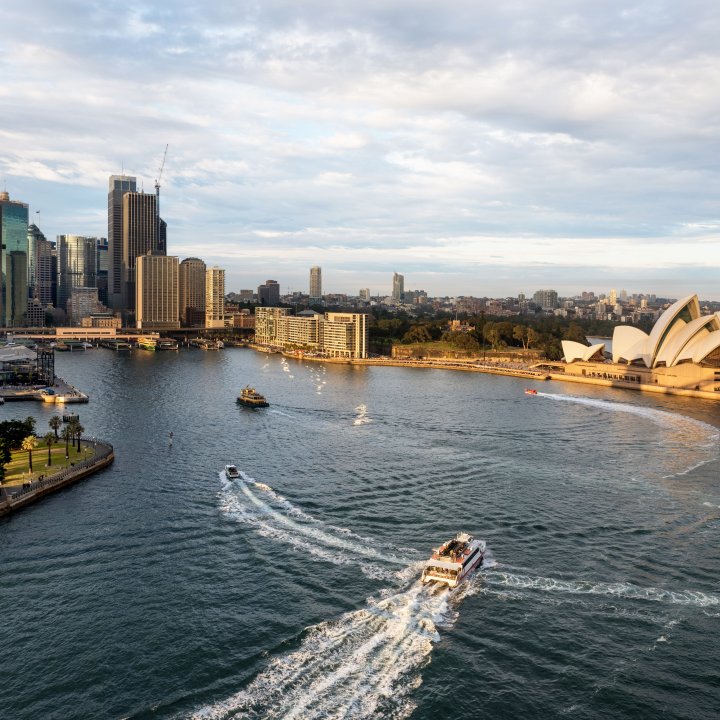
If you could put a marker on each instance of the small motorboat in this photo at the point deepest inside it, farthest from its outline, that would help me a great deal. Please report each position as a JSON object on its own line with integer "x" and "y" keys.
{"x": 530, "y": 391}
{"x": 231, "y": 472}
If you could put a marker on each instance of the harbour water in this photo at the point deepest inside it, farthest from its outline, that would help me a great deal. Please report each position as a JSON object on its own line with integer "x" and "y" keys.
{"x": 157, "y": 589}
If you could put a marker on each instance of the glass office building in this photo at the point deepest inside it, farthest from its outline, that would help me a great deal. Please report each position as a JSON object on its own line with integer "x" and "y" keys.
{"x": 14, "y": 220}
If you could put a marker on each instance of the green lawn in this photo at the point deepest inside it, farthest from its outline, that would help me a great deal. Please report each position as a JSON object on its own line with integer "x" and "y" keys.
{"x": 17, "y": 471}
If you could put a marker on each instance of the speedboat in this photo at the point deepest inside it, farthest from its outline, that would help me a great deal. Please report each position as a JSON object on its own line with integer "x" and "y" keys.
{"x": 231, "y": 472}
{"x": 530, "y": 391}
{"x": 453, "y": 561}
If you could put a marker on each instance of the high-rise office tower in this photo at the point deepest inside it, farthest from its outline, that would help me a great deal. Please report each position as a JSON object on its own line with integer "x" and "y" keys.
{"x": 398, "y": 287}
{"x": 139, "y": 237}
{"x": 315, "y": 283}
{"x": 118, "y": 186}
{"x": 42, "y": 268}
{"x": 156, "y": 288}
{"x": 364, "y": 294}
{"x": 101, "y": 270}
{"x": 269, "y": 293}
{"x": 77, "y": 265}
{"x": 13, "y": 260}
{"x": 192, "y": 292}
{"x": 214, "y": 297}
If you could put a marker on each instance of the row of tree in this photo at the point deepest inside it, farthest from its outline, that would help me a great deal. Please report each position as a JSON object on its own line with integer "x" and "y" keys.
{"x": 542, "y": 333}
{"x": 20, "y": 435}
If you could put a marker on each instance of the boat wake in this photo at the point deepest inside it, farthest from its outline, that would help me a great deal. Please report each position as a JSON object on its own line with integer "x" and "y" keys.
{"x": 272, "y": 515}
{"x": 362, "y": 665}
{"x": 361, "y": 418}
{"x": 589, "y": 587}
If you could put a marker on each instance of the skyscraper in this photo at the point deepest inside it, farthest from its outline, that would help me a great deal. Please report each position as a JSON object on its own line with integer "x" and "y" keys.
{"x": 214, "y": 297}
{"x": 42, "y": 268}
{"x": 192, "y": 292}
{"x": 101, "y": 270}
{"x": 139, "y": 237}
{"x": 156, "y": 287}
{"x": 118, "y": 186}
{"x": 398, "y": 287}
{"x": 77, "y": 265}
{"x": 13, "y": 260}
{"x": 269, "y": 293}
{"x": 315, "y": 283}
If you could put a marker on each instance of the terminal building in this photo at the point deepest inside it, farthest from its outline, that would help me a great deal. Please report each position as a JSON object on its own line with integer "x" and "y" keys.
{"x": 681, "y": 352}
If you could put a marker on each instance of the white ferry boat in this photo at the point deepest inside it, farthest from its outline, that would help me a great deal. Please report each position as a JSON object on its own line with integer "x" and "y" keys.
{"x": 453, "y": 561}
{"x": 231, "y": 472}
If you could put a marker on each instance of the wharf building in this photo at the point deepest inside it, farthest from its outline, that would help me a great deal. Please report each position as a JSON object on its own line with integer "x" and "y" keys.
{"x": 334, "y": 334}
{"x": 14, "y": 222}
{"x": 156, "y": 288}
{"x": 315, "y": 283}
{"x": 681, "y": 353}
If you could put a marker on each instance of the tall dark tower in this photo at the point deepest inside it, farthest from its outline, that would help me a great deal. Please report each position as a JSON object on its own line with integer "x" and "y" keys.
{"x": 118, "y": 186}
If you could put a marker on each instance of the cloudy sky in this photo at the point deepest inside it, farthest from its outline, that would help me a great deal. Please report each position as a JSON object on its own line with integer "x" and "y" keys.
{"x": 478, "y": 147}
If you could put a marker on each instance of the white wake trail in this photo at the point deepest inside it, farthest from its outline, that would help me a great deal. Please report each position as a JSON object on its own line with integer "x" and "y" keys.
{"x": 589, "y": 587}
{"x": 362, "y": 665}
{"x": 272, "y": 515}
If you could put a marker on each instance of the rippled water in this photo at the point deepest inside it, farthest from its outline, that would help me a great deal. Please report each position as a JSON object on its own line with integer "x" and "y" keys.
{"x": 157, "y": 589}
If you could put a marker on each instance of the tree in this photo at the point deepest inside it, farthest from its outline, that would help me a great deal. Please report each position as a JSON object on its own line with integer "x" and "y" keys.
{"x": 520, "y": 332}
{"x": 417, "y": 334}
{"x": 30, "y": 423}
{"x": 67, "y": 436}
{"x": 29, "y": 444}
{"x": 49, "y": 439}
{"x": 55, "y": 422}
{"x": 79, "y": 430}
{"x": 533, "y": 336}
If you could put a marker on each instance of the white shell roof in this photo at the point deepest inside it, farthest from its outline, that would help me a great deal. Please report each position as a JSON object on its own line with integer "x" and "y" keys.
{"x": 659, "y": 333}
{"x": 577, "y": 351}
{"x": 680, "y": 345}
{"x": 706, "y": 346}
{"x": 628, "y": 344}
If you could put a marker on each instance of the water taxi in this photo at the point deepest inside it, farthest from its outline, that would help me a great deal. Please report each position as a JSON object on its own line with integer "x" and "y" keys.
{"x": 231, "y": 472}
{"x": 252, "y": 398}
{"x": 530, "y": 391}
{"x": 453, "y": 561}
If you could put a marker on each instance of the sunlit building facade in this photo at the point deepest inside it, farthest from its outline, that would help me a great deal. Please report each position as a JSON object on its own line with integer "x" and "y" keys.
{"x": 13, "y": 260}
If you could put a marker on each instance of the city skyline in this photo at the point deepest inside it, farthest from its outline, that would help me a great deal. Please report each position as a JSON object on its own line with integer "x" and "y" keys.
{"x": 556, "y": 148}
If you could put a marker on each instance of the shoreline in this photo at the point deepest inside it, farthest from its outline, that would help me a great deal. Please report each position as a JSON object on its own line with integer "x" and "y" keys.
{"x": 491, "y": 369}
{"x": 38, "y": 489}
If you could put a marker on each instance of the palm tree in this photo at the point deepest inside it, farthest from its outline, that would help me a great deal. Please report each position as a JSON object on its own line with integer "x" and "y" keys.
{"x": 29, "y": 444}
{"x": 79, "y": 430}
{"x": 76, "y": 429}
{"x": 55, "y": 422}
{"x": 30, "y": 422}
{"x": 67, "y": 436}
{"x": 49, "y": 439}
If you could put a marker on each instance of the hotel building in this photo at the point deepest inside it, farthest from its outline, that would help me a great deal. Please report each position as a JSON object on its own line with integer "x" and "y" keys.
{"x": 192, "y": 292}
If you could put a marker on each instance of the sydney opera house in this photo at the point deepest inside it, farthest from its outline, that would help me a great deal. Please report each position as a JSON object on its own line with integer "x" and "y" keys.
{"x": 681, "y": 354}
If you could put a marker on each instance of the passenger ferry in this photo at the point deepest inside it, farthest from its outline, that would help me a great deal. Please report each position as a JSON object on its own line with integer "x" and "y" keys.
{"x": 252, "y": 398}
{"x": 231, "y": 472}
{"x": 453, "y": 561}
{"x": 147, "y": 343}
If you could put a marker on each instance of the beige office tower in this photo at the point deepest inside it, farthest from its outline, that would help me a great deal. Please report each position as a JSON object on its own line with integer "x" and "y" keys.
{"x": 315, "y": 283}
{"x": 214, "y": 297}
{"x": 156, "y": 292}
{"x": 192, "y": 292}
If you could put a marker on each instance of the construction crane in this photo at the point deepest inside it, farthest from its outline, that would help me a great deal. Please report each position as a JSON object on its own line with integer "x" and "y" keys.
{"x": 157, "y": 199}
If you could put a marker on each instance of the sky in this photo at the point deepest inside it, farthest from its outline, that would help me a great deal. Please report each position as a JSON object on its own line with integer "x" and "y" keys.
{"x": 477, "y": 147}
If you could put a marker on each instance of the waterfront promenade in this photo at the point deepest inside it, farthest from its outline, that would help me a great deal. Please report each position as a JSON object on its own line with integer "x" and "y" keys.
{"x": 16, "y": 497}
